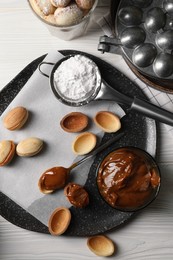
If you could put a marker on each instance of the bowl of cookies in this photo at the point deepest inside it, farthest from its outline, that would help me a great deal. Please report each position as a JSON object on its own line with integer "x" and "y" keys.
{"x": 65, "y": 19}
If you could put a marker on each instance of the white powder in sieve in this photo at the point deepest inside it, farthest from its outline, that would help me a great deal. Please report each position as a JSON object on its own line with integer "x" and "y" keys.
{"x": 76, "y": 78}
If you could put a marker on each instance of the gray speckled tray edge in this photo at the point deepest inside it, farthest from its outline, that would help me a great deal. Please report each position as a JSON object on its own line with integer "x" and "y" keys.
{"x": 97, "y": 221}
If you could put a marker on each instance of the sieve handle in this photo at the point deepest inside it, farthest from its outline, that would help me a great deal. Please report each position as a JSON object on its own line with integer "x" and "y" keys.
{"x": 44, "y": 63}
{"x": 153, "y": 111}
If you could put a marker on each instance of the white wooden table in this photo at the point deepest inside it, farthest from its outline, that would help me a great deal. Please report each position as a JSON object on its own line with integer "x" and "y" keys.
{"x": 150, "y": 235}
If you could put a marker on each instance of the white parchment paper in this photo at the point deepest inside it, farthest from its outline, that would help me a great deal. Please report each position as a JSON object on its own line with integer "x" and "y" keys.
{"x": 19, "y": 179}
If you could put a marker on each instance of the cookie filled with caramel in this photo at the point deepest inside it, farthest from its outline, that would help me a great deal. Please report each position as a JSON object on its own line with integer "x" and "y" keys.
{"x": 128, "y": 179}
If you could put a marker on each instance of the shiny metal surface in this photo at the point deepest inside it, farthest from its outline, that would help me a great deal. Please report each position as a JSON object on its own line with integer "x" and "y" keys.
{"x": 144, "y": 55}
{"x": 168, "y": 6}
{"x": 163, "y": 65}
{"x": 151, "y": 49}
{"x": 155, "y": 19}
{"x": 133, "y": 36}
{"x": 165, "y": 40}
{"x": 131, "y": 15}
{"x": 144, "y": 29}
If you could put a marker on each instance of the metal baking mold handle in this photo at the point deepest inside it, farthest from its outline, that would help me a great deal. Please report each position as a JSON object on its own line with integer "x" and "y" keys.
{"x": 107, "y": 44}
{"x": 45, "y": 63}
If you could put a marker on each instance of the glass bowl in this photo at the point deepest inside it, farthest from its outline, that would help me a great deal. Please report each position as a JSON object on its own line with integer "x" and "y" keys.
{"x": 67, "y": 32}
{"x": 128, "y": 179}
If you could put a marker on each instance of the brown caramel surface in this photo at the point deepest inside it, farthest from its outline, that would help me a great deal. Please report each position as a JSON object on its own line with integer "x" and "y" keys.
{"x": 76, "y": 195}
{"x": 127, "y": 178}
{"x": 54, "y": 178}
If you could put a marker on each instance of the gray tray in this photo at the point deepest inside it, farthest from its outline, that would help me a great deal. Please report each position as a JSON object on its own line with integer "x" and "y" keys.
{"x": 98, "y": 217}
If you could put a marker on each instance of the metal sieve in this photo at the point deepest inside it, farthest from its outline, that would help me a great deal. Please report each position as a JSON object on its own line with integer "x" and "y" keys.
{"x": 103, "y": 91}
{"x": 65, "y": 100}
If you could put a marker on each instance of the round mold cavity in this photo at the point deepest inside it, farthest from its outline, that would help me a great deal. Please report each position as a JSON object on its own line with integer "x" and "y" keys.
{"x": 163, "y": 65}
{"x": 168, "y": 6}
{"x": 155, "y": 19}
{"x": 165, "y": 40}
{"x": 142, "y": 3}
{"x": 131, "y": 37}
{"x": 144, "y": 55}
{"x": 130, "y": 15}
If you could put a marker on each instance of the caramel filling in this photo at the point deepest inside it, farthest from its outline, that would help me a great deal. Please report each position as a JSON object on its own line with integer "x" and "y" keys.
{"x": 127, "y": 178}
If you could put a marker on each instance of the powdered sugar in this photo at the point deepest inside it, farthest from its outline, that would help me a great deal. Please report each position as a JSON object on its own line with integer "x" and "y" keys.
{"x": 76, "y": 78}
{"x": 60, "y": 3}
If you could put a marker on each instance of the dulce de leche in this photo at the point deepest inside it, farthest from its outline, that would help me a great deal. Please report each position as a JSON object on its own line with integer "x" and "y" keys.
{"x": 53, "y": 179}
{"x": 128, "y": 178}
{"x": 76, "y": 195}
